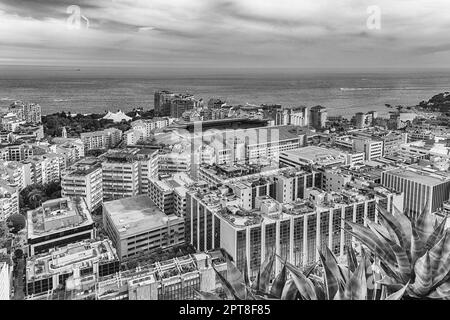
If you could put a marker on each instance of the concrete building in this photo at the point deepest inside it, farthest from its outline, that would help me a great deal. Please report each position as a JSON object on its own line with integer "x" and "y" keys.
{"x": 84, "y": 179}
{"x": 318, "y": 117}
{"x": 294, "y": 230}
{"x": 372, "y": 149}
{"x": 291, "y": 116}
{"x": 5, "y": 281}
{"x": 137, "y": 225}
{"x": 104, "y": 139}
{"x": 181, "y": 104}
{"x": 9, "y": 200}
{"x": 13, "y": 173}
{"x": 424, "y": 189}
{"x": 313, "y": 156}
{"x": 126, "y": 172}
{"x": 173, "y": 279}
{"x": 120, "y": 171}
{"x": 169, "y": 194}
{"x": 162, "y": 102}
{"x": 74, "y": 267}
{"x": 30, "y": 112}
{"x": 57, "y": 223}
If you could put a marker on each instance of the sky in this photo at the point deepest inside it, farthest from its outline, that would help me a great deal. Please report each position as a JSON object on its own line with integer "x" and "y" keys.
{"x": 238, "y": 34}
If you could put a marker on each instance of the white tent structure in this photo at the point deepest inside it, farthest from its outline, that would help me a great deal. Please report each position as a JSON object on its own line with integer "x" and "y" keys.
{"x": 117, "y": 117}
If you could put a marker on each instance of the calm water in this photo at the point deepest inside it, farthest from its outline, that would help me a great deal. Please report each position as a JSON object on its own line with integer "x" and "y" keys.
{"x": 341, "y": 93}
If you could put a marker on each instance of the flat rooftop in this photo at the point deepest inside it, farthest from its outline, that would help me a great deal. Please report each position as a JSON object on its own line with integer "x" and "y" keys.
{"x": 422, "y": 175}
{"x": 136, "y": 215}
{"x": 58, "y": 215}
{"x": 316, "y": 154}
{"x": 81, "y": 254}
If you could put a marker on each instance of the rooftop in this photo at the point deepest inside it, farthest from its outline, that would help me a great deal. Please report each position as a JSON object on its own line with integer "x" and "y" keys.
{"x": 58, "y": 215}
{"x": 422, "y": 175}
{"x": 77, "y": 255}
{"x": 317, "y": 155}
{"x": 136, "y": 215}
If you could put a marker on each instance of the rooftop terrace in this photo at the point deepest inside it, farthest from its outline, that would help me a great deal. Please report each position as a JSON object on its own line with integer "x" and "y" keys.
{"x": 58, "y": 215}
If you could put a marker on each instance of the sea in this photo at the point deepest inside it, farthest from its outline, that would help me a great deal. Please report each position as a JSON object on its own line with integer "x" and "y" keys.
{"x": 343, "y": 93}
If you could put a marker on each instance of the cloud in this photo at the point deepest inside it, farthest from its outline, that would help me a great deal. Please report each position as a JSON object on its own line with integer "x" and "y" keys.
{"x": 273, "y": 33}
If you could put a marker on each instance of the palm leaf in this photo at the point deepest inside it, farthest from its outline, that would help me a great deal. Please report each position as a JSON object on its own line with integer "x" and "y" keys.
{"x": 436, "y": 235}
{"x": 424, "y": 224}
{"x": 423, "y": 280}
{"x": 417, "y": 245}
{"x": 394, "y": 228}
{"x": 304, "y": 285}
{"x": 331, "y": 275}
{"x": 236, "y": 279}
{"x": 444, "y": 261}
{"x": 227, "y": 287}
{"x": 398, "y": 294}
{"x": 256, "y": 282}
{"x": 437, "y": 256}
{"x": 352, "y": 262}
{"x": 441, "y": 292}
{"x": 356, "y": 287}
{"x": 278, "y": 284}
{"x": 373, "y": 242}
{"x": 206, "y": 295}
{"x": 290, "y": 290}
{"x": 266, "y": 271}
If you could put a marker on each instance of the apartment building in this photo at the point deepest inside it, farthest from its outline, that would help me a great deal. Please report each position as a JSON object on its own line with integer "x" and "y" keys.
{"x": 104, "y": 139}
{"x": 9, "y": 200}
{"x": 13, "y": 173}
{"x": 30, "y": 112}
{"x": 169, "y": 194}
{"x": 84, "y": 179}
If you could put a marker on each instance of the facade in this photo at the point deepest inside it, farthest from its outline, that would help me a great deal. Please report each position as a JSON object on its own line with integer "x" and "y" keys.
{"x": 105, "y": 139}
{"x": 126, "y": 172}
{"x": 30, "y": 113}
{"x": 318, "y": 117}
{"x": 170, "y": 194}
{"x": 162, "y": 102}
{"x": 5, "y": 281}
{"x": 291, "y": 116}
{"x": 84, "y": 179}
{"x": 13, "y": 173}
{"x": 294, "y": 230}
{"x": 120, "y": 171}
{"x": 173, "y": 279}
{"x": 57, "y": 223}
{"x": 181, "y": 104}
{"x": 9, "y": 200}
{"x": 373, "y": 149}
{"x": 136, "y": 225}
{"x": 74, "y": 267}
{"x": 423, "y": 188}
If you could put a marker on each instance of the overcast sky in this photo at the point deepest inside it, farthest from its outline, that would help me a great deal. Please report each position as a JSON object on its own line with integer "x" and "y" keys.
{"x": 226, "y": 33}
